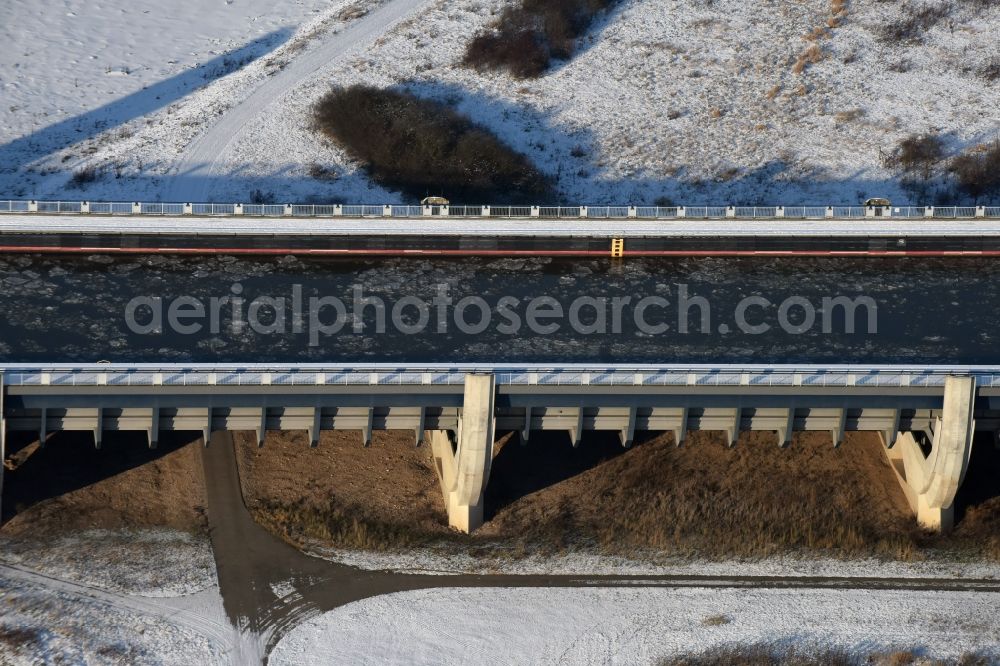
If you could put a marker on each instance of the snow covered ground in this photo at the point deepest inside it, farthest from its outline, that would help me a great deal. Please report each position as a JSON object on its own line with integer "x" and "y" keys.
{"x": 454, "y": 560}
{"x": 686, "y": 101}
{"x": 104, "y": 596}
{"x": 630, "y": 626}
{"x": 146, "y": 597}
{"x": 150, "y": 563}
{"x": 45, "y": 622}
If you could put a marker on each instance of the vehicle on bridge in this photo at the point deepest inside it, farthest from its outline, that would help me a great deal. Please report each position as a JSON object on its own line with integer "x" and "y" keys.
{"x": 435, "y": 204}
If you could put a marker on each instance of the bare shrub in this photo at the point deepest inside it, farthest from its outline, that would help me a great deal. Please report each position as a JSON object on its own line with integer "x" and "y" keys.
{"x": 319, "y": 172}
{"x": 899, "y": 658}
{"x": 914, "y": 22}
{"x": 260, "y": 197}
{"x": 978, "y": 170}
{"x": 526, "y": 38}
{"x": 716, "y": 620}
{"x": 522, "y": 52}
{"x": 85, "y": 176}
{"x": 418, "y": 145}
{"x": 17, "y": 638}
{"x": 917, "y": 154}
{"x": 848, "y": 116}
{"x": 990, "y": 70}
{"x": 762, "y": 654}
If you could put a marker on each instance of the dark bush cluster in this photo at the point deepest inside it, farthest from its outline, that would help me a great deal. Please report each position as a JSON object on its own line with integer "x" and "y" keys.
{"x": 83, "y": 177}
{"x": 422, "y": 147}
{"x": 990, "y": 70}
{"x": 916, "y": 19}
{"x": 977, "y": 171}
{"x": 918, "y": 154}
{"x": 526, "y": 38}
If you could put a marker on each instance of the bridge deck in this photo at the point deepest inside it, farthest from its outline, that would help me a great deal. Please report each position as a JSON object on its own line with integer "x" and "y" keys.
{"x": 40, "y": 223}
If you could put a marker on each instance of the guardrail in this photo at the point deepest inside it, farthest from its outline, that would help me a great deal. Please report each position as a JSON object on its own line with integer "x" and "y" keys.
{"x": 651, "y": 376}
{"x": 526, "y": 212}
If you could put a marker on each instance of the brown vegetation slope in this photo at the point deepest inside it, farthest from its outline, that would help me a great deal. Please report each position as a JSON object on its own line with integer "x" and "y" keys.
{"x": 703, "y": 499}
{"x": 68, "y": 485}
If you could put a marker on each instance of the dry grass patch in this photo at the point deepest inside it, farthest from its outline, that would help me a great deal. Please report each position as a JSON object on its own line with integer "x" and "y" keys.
{"x": 708, "y": 500}
{"x": 716, "y": 620}
{"x": 703, "y": 500}
{"x": 762, "y": 654}
{"x": 765, "y": 654}
{"x": 848, "y": 116}
{"x": 383, "y": 497}
{"x": 810, "y": 56}
{"x": 68, "y": 485}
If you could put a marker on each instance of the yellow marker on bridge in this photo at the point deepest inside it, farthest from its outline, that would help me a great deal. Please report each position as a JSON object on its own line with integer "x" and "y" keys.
{"x": 617, "y": 247}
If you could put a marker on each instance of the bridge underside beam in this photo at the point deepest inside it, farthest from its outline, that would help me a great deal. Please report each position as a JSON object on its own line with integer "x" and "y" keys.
{"x": 105, "y": 414}
{"x": 731, "y": 420}
{"x": 259, "y": 420}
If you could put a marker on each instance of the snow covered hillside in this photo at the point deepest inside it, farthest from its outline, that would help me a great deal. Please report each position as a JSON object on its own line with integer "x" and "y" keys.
{"x": 693, "y": 102}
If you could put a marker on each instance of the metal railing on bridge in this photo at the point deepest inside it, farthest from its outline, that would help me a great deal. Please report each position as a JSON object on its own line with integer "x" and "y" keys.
{"x": 580, "y": 376}
{"x": 483, "y": 211}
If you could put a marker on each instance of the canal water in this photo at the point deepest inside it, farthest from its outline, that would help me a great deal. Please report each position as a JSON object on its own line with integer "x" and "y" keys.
{"x": 285, "y": 309}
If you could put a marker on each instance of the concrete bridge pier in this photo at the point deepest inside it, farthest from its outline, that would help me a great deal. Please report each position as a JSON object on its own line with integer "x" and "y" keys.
{"x": 463, "y": 460}
{"x": 931, "y": 482}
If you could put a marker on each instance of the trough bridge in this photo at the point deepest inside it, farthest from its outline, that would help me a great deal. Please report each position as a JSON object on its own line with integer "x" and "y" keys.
{"x": 484, "y": 230}
{"x": 926, "y": 417}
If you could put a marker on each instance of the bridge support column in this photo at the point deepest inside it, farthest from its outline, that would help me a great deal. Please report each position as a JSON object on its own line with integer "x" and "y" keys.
{"x": 931, "y": 483}
{"x": 464, "y": 466}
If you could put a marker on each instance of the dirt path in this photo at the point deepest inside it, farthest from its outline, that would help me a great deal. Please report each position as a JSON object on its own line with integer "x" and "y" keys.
{"x": 203, "y": 157}
{"x": 269, "y": 587}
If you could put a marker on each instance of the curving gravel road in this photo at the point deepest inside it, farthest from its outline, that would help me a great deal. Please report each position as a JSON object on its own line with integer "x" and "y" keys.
{"x": 207, "y": 152}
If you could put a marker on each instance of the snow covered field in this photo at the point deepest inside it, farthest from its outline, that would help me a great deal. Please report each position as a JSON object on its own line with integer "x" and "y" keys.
{"x": 47, "y": 622}
{"x": 102, "y": 596}
{"x": 630, "y": 626}
{"x": 455, "y": 561}
{"x": 683, "y": 101}
{"x": 151, "y": 563}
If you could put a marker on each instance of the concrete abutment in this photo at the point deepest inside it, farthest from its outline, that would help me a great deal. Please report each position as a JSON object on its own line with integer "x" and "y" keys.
{"x": 931, "y": 482}
{"x": 463, "y": 459}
